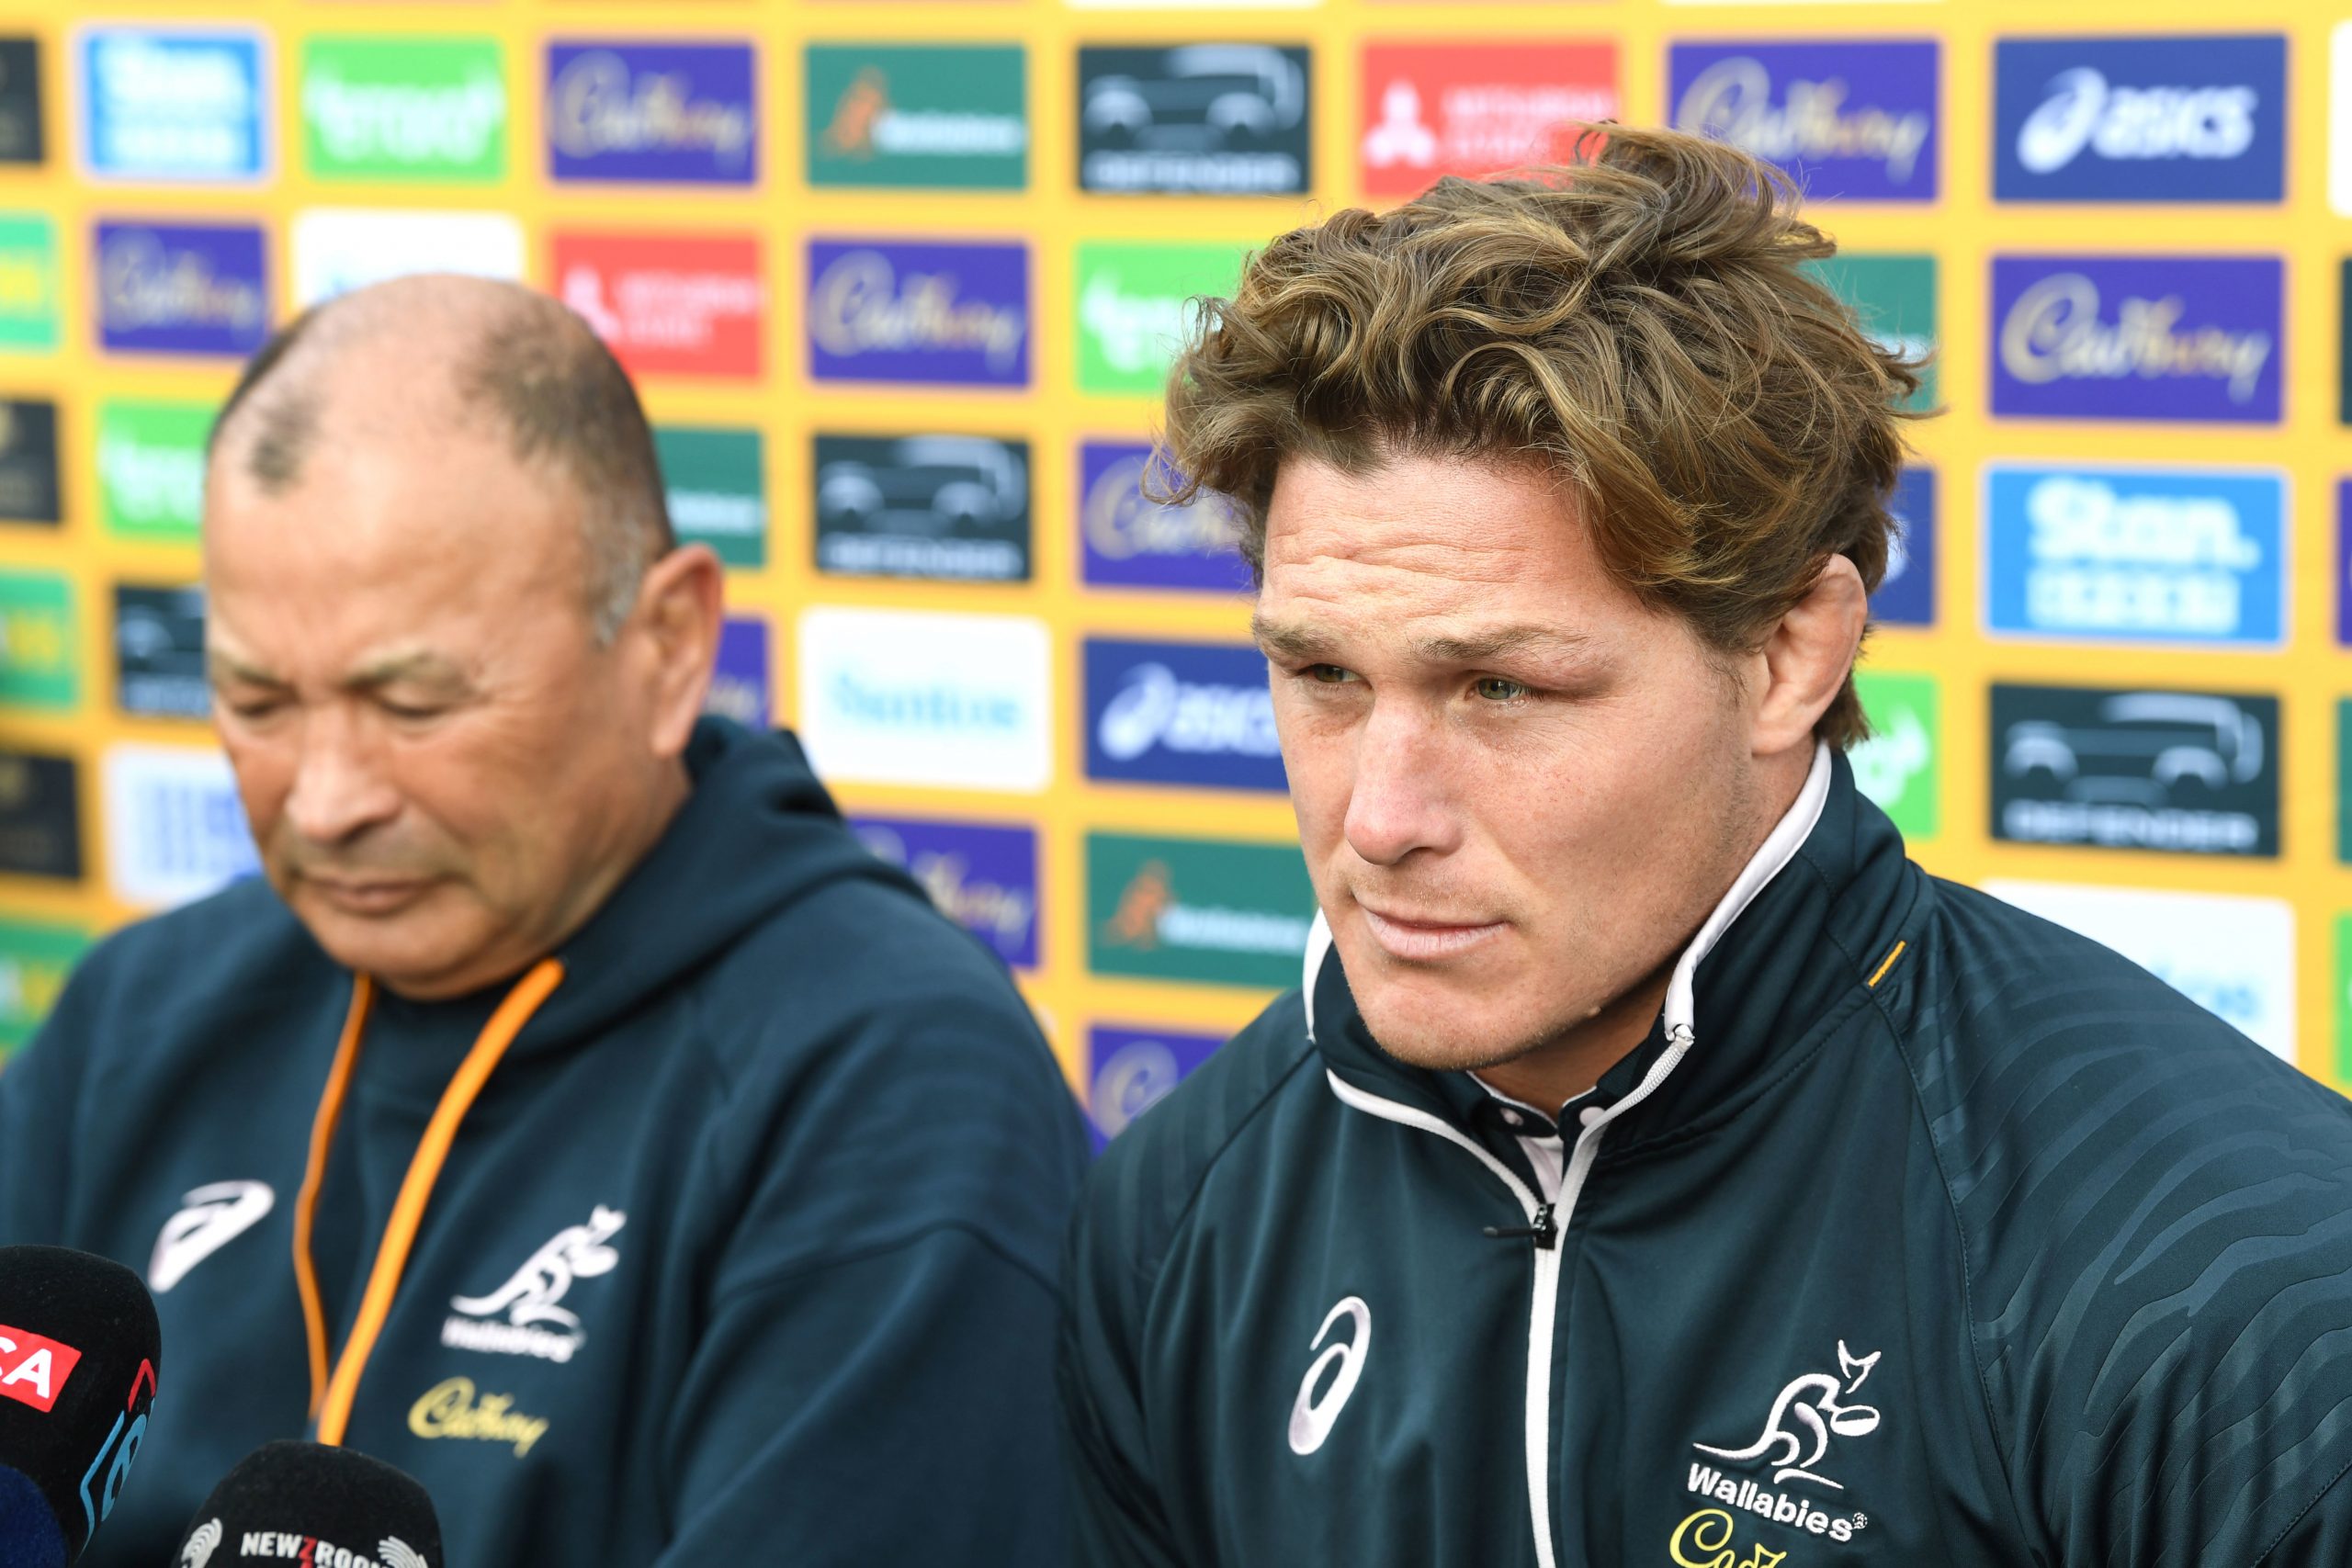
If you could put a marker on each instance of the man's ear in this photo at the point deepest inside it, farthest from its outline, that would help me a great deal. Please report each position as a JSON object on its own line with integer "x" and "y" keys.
{"x": 1807, "y": 658}
{"x": 680, "y": 607}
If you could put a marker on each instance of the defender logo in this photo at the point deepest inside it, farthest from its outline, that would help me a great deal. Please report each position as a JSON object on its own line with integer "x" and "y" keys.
{"x": 1808, "y": 1413}
{"x": 530, "y": 1300}
{"x": 1311, "y": 1418}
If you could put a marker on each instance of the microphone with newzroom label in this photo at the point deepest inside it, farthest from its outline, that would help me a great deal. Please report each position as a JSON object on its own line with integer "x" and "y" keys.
{"x": 323, "y": 1507}
{"x": 78, "y": 1353}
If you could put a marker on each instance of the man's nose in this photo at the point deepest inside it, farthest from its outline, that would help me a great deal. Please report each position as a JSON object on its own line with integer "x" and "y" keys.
{"x": 340, "y": 788}
{"x": 1401, "y": 799}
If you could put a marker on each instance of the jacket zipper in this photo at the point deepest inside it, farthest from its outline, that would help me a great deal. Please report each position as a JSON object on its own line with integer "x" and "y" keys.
{"x": 1546, "y": 1220}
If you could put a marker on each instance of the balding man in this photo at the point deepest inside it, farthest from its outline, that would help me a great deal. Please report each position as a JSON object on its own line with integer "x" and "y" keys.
{"x": 577, "y": 1117}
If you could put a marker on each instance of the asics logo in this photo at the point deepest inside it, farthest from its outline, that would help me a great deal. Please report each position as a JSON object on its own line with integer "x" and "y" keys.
{"x": 1310, "y": 1417}
{"x": 210, "y": 1219}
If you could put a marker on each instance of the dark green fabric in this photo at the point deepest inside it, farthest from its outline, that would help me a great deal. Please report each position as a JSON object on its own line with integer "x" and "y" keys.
{"x": 2060, "y": 1264}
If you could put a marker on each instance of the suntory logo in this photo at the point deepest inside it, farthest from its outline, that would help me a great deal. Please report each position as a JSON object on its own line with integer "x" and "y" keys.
{"x": 652, "y": 112}
{"x": 1852, "y": 119}
{"x": 954, "y": 313}
{"x": 893, "y": 696}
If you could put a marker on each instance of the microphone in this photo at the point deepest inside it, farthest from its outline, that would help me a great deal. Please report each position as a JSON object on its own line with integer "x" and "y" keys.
{"x": 78, "y": 1352}
{"x": 309, "y": 1503}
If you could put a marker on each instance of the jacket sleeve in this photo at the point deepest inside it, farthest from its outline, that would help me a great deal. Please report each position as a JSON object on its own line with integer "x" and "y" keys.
{"x": 2178, "y": 1360}
{"x": 1116, "y": 1516}
{"x": 873, "y": 1380}
{"x": 39, "y": 1089}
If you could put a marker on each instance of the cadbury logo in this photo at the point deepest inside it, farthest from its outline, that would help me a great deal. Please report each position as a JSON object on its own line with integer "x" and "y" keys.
{"x": 860, "y": 305}
{"x": 599, "y": 105}
{"x": 2055, "y": 333}
{"x": 146, "y": 284}
{"x": 1733, "y": 100}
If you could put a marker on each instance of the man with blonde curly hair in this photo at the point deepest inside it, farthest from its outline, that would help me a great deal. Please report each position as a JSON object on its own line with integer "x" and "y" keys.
{"x": 1655, "y": 1165}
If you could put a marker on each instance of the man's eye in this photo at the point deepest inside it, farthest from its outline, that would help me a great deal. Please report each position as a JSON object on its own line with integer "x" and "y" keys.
{"x": 1495, "y": 689}
{"x": 253, "y": 708}
{"x": 1329, "y": 674}
{"x": 412, "y": 711}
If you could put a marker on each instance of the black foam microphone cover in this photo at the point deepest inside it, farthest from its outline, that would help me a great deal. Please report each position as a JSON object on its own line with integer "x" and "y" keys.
{"x": 311, "y": 1503}
{"x": 79, "y": 1350}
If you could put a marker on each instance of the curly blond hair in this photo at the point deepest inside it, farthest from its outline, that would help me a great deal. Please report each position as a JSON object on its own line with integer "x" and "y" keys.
{"x": 1641, "y": 323}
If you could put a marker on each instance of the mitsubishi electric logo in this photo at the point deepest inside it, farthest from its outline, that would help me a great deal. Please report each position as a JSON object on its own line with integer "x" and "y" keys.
{"x": 1312, "y": 1415}
{"x": 534, "y": 1323}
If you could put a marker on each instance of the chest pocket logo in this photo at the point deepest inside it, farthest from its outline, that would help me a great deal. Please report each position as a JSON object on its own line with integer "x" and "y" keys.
{"x": 1310, "y": 1417}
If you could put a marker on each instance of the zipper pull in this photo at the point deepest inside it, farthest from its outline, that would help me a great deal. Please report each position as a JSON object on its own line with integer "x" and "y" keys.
{"x": 1544, "y": 1232}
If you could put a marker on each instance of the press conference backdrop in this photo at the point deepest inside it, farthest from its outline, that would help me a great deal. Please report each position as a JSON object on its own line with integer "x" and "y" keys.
{"x": 899, "y": 279}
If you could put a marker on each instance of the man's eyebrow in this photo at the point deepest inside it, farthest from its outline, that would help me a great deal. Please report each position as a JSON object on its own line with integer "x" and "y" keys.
{"x": 1472, "y": 648}
{"x": 220, "y": 666}
{"x": 417, "y": 665}
{"x": 1288, "y": 640}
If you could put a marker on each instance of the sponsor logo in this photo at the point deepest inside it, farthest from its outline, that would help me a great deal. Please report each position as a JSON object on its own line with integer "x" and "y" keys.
{"x": 1855, "y": 120}
{"x": 983, "y": 878}
{"x": 1809, "y": 1412}
{"x": 1234, "y": 914}
{"x": 1313, "y": 1414}
{"x": 955, "y": 315}
{"x": 1221, "y": 118}
{"x": 718, "y": 490}
{"x": 2344, "y": 780}
{"x": 318, "y": 1552}
{"x": 1134, "y": 306}
{"x": 1898, "y": 766}
{"x": 2145, "y": 553}
{"x": 150, "y": 469}
{"x": 672, "y": 113}
{"x": 159, "y": 652}
{"x": 1180, "y": 713}
{"x": 896, "y": 696}
{"x": 174, "y": 104}
{"x": 2137, "y": 337}
{"x": 337, "y": 250}
{"x": 28, "y": 282}
{"x": 1433, "y": 109}
{"x": 34, "y": 1368}
{"x": 453, "y": 1408}
{"x": 35, "y": 961}
{"x": 41, "y": 816}
{"x": 740, "y": 685}
{"x": 28, "y": 460}
{"x": 1128, "y": 540}
{"x": 37, "y": 639}
{"x": 182, "y": 289}
{"x": 392, "y": 107}
{"x": 1906, "y": 594}
{"x": 688, "y": 305}
{"x": 175, "y": 828}
{"x": 953, "y": 507}
{"x": 21, "y": 141}
{"x": 2177, "y": 119}
{"x": 1894, "y": 299}
{"x": 536, "y": 1322}
{"x": 1131, "y": 1070}
{"x": 2193, "y": 772}
{"x": 2233, "y": 957}
{"x": 1710, "y": 1533}
{"x": 210, "y": 1218}
{"x": 924, "y": 116}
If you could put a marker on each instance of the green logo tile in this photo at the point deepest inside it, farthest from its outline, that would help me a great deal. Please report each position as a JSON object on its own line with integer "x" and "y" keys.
{"x": 150, "y": 469}
{"x": 1196, "y": 909}
{"x": 397, "y": 107}
{"x": 1895, "y": 296}
{"x": 717, "y": 490}
{"x": 1134, "y": 308}
{"x": 917, "y": 116}
{"x": 38, "y": 665}
{"x": 35, "y": 959}
{"x": 1900, "y": 765}
{"x": 28, "y": 282}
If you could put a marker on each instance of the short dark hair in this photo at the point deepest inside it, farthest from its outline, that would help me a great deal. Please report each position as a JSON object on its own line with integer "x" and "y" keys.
{"x": 543, "y": 372}
{"x": 1642, "y": 324}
